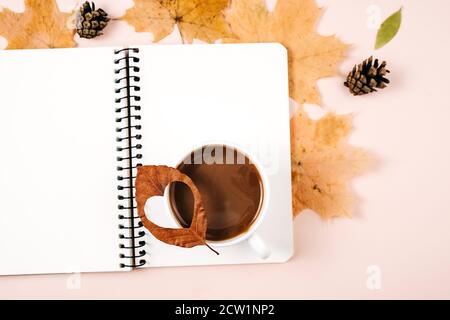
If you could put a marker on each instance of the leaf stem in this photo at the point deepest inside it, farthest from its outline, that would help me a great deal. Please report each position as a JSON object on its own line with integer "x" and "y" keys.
{"x": 211, "y": 249}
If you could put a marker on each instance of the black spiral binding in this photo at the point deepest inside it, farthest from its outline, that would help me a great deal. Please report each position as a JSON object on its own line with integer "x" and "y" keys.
{"x": 128, "y": 129}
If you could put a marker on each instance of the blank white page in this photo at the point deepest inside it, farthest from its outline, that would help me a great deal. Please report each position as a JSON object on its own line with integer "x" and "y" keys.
{"x": 58, "y": 188}
{"x": 236, "y": 93}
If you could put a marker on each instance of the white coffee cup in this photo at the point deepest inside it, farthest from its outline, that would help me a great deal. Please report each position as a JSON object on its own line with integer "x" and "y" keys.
{"x": 250, "y": 235}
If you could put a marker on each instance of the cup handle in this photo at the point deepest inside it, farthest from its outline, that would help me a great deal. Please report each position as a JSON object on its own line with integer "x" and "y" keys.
{"x": 259, "y": 246}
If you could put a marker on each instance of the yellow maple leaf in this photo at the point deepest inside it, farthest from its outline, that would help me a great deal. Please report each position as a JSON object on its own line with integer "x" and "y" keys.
{"x": 195, "y": 19}
{"x": 323, "y": 163}
{"x": 292, "y": 23}
{"x": 41, "y": 25}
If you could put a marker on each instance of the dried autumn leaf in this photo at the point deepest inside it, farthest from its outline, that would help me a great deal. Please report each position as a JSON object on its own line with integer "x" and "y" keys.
{"x": 41, "y": 25}
{"x": 195, "y": 19}
{"x": 292, "y": 23}
{"x": 151, "y": 181}
{"x": 323, "y": 163}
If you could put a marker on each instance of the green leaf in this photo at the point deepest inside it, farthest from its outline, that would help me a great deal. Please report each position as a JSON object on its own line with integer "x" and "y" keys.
{"x": 388, "y": 29}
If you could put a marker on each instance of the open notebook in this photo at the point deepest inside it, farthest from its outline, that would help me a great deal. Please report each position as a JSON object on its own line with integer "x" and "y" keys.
{"x": 71, "y": 118}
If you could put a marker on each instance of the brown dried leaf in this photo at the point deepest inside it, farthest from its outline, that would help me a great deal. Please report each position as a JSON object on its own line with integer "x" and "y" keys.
{"x": 41, "y": 25}
{"x": 292, "y": 23}
{"x": 151, "y": 181}
{"x": 323, "y": 163}
{"x": 195, "y": 19}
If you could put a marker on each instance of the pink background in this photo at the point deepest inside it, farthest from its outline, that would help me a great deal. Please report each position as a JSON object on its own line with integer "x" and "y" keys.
{"x": 399, "y": 236}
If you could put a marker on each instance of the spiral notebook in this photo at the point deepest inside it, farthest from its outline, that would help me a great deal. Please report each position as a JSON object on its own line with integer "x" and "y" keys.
{"x": 75, "y": 124}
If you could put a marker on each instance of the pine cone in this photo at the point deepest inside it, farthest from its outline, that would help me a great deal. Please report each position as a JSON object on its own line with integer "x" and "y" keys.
{"x": 367, "y": 76}
{"x": 90, "y": 21}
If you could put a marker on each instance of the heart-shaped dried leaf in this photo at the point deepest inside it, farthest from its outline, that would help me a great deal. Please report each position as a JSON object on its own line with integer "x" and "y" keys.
{"x": 151, "y": 181}
{"x": 388, "y": 29}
